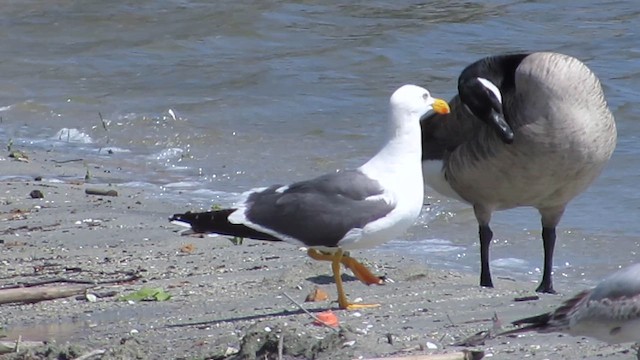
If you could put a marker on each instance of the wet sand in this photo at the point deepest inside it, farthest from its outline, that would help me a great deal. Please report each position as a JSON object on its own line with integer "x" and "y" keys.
{"x": 222, "y": 293}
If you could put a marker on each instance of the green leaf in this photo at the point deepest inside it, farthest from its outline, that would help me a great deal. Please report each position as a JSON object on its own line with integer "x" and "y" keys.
{"x": 17, "y": 154}
{"x": 147, "y": 294}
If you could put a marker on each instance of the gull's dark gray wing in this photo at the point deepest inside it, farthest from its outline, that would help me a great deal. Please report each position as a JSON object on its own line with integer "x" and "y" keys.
{"x": 320, "y": 211}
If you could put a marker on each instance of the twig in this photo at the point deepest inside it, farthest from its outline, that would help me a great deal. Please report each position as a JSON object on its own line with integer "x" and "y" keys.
{"x": 89, "y": 282}
{"x": 91, "y": 354}
{"x": 18, "y": 343}
{"x": 129, "y": 278}
{"x": 308, "y": 313}
{"x": 50, "y": 227}
{"x": 451, "y": 321}
{"x": 280, "y": 346}
{"x": 66, "y": 161}
{"x": 104, "y": 123}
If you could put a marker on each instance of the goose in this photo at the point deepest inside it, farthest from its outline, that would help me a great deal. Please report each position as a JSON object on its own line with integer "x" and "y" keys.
{"x": 350, "y": 209}
{"x": 610, "y": 312}
{"x": 530, "y": 129}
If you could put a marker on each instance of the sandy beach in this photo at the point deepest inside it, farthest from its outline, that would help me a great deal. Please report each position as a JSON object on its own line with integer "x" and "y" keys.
{"x": 226, "y": 300}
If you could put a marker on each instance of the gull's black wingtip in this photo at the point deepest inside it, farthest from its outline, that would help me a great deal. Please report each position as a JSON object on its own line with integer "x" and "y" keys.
{"x": 185, "y": 219}
{"x": 534, "y": 323}
{"x": 176, "y": 217}
{"x": 217, "y": 222}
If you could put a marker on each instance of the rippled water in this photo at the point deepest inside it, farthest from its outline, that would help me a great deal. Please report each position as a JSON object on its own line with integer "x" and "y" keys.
{"x": 215, "y": 97}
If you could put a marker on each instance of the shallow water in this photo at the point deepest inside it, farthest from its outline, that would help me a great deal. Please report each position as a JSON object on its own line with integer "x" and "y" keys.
{"x": 214, "y": 98}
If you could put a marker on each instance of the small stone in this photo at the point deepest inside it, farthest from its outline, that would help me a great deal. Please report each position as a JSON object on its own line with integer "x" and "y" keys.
{"x": 231, "y": 351}
{"x": 36, "y": 194}
{"x": 431, "y": 345}
{"x": 133, "y": 331}
{"x": 91, "y": 298}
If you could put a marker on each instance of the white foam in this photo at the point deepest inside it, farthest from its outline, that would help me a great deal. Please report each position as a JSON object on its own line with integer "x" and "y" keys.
{"x": 167, "y": 154}
{"x": 182, "y": 184}
{"x": 72, "y": 135}
{"x": 510, "y": 263}
{"x": 425, "y": 246}
{"x": 139, "y": 184}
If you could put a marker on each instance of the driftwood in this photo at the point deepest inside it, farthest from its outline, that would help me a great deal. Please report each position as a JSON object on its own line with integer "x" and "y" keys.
{"x": 101, "y": 192}
{"x": 7, "y": 347}
{"x": 39, "y": 293}
{"x": 91, "y": 354}
{"x": 460, "y": 355}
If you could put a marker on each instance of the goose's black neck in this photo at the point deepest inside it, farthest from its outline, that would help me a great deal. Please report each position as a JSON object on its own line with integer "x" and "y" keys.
{"x": 499, "y": 69}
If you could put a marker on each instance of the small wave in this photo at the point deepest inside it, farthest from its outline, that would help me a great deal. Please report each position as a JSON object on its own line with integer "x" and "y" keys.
{"x": 174, "y": 167}
{"x": 112, "y": 150}
{"x": 422, "y": 246}
{"x": 207, "y": 197}
{"x": 139, "y": 184}
{"x": 15, "y": 178}
{"x": 182, "y": 184}
{"x": 510, "y": 263}
{"x": 73, "y": 136}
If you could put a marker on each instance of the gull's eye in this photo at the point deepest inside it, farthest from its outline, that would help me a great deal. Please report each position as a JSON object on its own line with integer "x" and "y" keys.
{"x": 425, "y": 96}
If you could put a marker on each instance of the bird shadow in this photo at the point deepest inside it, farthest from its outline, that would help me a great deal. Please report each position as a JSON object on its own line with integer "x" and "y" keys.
{"x": 207, "y": 323}
{"x": 328, "y": 279}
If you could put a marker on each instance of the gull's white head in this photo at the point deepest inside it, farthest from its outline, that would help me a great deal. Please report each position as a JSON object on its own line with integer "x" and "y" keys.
{"x": 414, "y": 101}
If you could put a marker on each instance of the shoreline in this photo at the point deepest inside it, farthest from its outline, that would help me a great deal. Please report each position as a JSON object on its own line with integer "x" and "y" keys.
{"x": 227, "y": 291}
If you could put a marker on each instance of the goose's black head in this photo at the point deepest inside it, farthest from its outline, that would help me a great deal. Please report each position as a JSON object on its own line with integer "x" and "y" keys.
{"x": 481, "y": 86}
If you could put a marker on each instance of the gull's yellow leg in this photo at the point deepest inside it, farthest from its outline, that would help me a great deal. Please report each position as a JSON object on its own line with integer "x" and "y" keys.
{"x": 360, "y": 271}
{"x": 319, "y": 255}
{"x": 342, "y": 298}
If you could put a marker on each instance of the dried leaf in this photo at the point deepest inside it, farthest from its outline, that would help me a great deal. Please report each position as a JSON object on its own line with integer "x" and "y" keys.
{"x": 317, "y": 295}
{"x": 188, "y": 248}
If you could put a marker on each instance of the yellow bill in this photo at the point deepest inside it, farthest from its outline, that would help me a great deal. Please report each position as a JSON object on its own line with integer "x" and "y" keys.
{"x": 441, "y": 107}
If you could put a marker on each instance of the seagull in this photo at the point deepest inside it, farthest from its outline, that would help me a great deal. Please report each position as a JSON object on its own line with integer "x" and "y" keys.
{"x": 610, "y": 312}
{"x": 350, "y": 209}
{"x": 524, "y": 130}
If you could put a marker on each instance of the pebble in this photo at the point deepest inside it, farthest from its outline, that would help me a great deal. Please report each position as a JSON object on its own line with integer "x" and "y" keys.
{"x": 36, "y": 194}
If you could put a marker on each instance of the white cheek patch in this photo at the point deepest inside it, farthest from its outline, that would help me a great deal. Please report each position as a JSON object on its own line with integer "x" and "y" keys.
{"x": 492, "y": 87}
